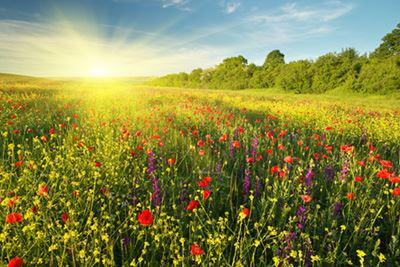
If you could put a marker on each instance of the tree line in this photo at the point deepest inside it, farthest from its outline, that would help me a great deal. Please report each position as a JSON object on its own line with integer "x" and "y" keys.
{"x": 377, "y": 72}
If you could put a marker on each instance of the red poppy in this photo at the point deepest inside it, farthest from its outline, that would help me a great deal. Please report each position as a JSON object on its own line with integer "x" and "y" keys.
{"x": 357, "y": 179}
{"x": 223, "y": 138}
{"x": 250, "y": 160}
{"x": 196, "y": 250}
{"x": 200, "y": 143}
{"x": 145, "y": 218}
{"x": 246, "y": 212}
{"x": 193, "y": 204}
{"x": 15, "y": 217}
{"x": 386, "y": 163}
{"x": 97, "y": 164}
{"x": 395, "y": 180}
{"x": 288, "y": 159}
{"x": 202, "y": 152}
{"x": 171, "y": 161}
{"x": 19, "y": 163}
{"x": 16, "y": 262}
{"x": 396, "y": 192}
{"x": 43, "y": 189}
{"x": 206, "y": 194}
{"x": 202, "y": 183}
{"x": 361, "y": 163}
{"x": 306, "y": 198}
{"x": 274, "y": 169}
{"x": 208, "y": 179}
{"x": 350, "y": 195}
{"x": 384, "y": 174}
{"x": 64, "y": 217}
{"x": 236, "y": 144}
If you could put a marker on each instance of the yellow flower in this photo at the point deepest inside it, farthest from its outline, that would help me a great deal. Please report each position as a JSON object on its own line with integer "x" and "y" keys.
{"x": 382, "y": 257}
{"x": 315, "y": 258}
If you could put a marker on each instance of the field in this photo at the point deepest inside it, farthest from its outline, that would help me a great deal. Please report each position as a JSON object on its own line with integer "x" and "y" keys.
{"x": 101, "y": 172}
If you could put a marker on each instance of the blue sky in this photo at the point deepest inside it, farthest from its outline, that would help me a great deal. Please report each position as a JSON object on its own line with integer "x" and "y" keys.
{"x": 154, "y": 37}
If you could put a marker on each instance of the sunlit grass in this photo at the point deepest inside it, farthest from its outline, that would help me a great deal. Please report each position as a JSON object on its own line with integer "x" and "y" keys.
{"x": 82, "y": 158}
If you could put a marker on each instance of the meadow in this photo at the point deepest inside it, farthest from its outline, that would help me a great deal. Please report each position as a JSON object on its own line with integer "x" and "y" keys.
{"x": 112, "y": 173}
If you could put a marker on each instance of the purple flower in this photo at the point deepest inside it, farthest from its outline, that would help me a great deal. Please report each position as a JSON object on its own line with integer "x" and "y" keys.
{"x": 329, "y": 173}
{"x": 344, "y": 172}
{"x": 246, "y": 184}
{"x": 309, "y": 176}
{"x": 337, "y": 208}
{"x": 156, "y": 196}
{"x": 231, "y": 149}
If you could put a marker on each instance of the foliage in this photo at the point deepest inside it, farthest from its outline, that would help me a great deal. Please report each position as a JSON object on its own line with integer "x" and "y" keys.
{"x": 390, "y": 45}
{"x": 373, "y": 74}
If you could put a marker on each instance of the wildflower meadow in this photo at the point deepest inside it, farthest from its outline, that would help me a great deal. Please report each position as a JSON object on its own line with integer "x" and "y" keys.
{"x": 115, "y": 175}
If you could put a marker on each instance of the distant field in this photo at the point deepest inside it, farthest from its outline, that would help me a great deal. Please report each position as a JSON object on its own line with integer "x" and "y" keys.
{"x": 117, "y": 173}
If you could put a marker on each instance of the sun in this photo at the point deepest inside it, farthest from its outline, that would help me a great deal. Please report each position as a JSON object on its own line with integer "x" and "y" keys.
{"x": 99, "y": 71}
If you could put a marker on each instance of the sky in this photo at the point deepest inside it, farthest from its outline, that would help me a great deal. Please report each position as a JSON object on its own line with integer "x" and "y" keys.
{"x": 156, "y": 37}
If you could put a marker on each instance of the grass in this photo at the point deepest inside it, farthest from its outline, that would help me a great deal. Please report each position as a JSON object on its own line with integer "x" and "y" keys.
{"x": 295, "y": 179}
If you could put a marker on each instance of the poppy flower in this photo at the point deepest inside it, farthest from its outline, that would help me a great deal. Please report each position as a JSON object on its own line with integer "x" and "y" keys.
{"x": 208, "y": 179}
{"x": 202, "y": 152}
{"x": 206, "y": 194}
{"x": 250, "y": 160}
{"x": 200, "y": 143}
{"x": 97, "y": 164}
{"x": 193, "y": 204}
{"x": 16, "y": 262}
{"x": 19, "y": 163}
{"x": 306, "y": 198}
{"x": 196, "y": 250}
{"x": 145, "y": 218}
{"x": 357, "y": 179}
{"x": 274, "y": 169}
{"x": 386, "y": 164}
{"x": 384, "y": 174}
{"x": 223, "y": 138}
{"x": 236, "y": 144}
{"x": 361, "y": 163}
{"x": 350, "y": 196}
{"x": 395, "y": 180}
{"x": 43, "y": 189}
{"x": 64, "y": 217}
{"x": 171, "y": 161}
{"x": 288, "y": 159}
{"x": 396, "y": 192}
{"x": 245, "y": 212}
{"x": 15, "y": 217}
{"x": 202, "y": 183}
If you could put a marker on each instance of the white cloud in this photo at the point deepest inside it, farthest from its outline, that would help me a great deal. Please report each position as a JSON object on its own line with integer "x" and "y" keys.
{"x": 295, "y": 13}
{"x": 34, "y": 48}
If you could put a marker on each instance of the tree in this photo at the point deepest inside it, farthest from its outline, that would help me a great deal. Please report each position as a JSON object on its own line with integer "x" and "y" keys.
{"x": 296, "y": 77}
{"x": 274, "y": 58}
{"x": 390, "y": 45}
